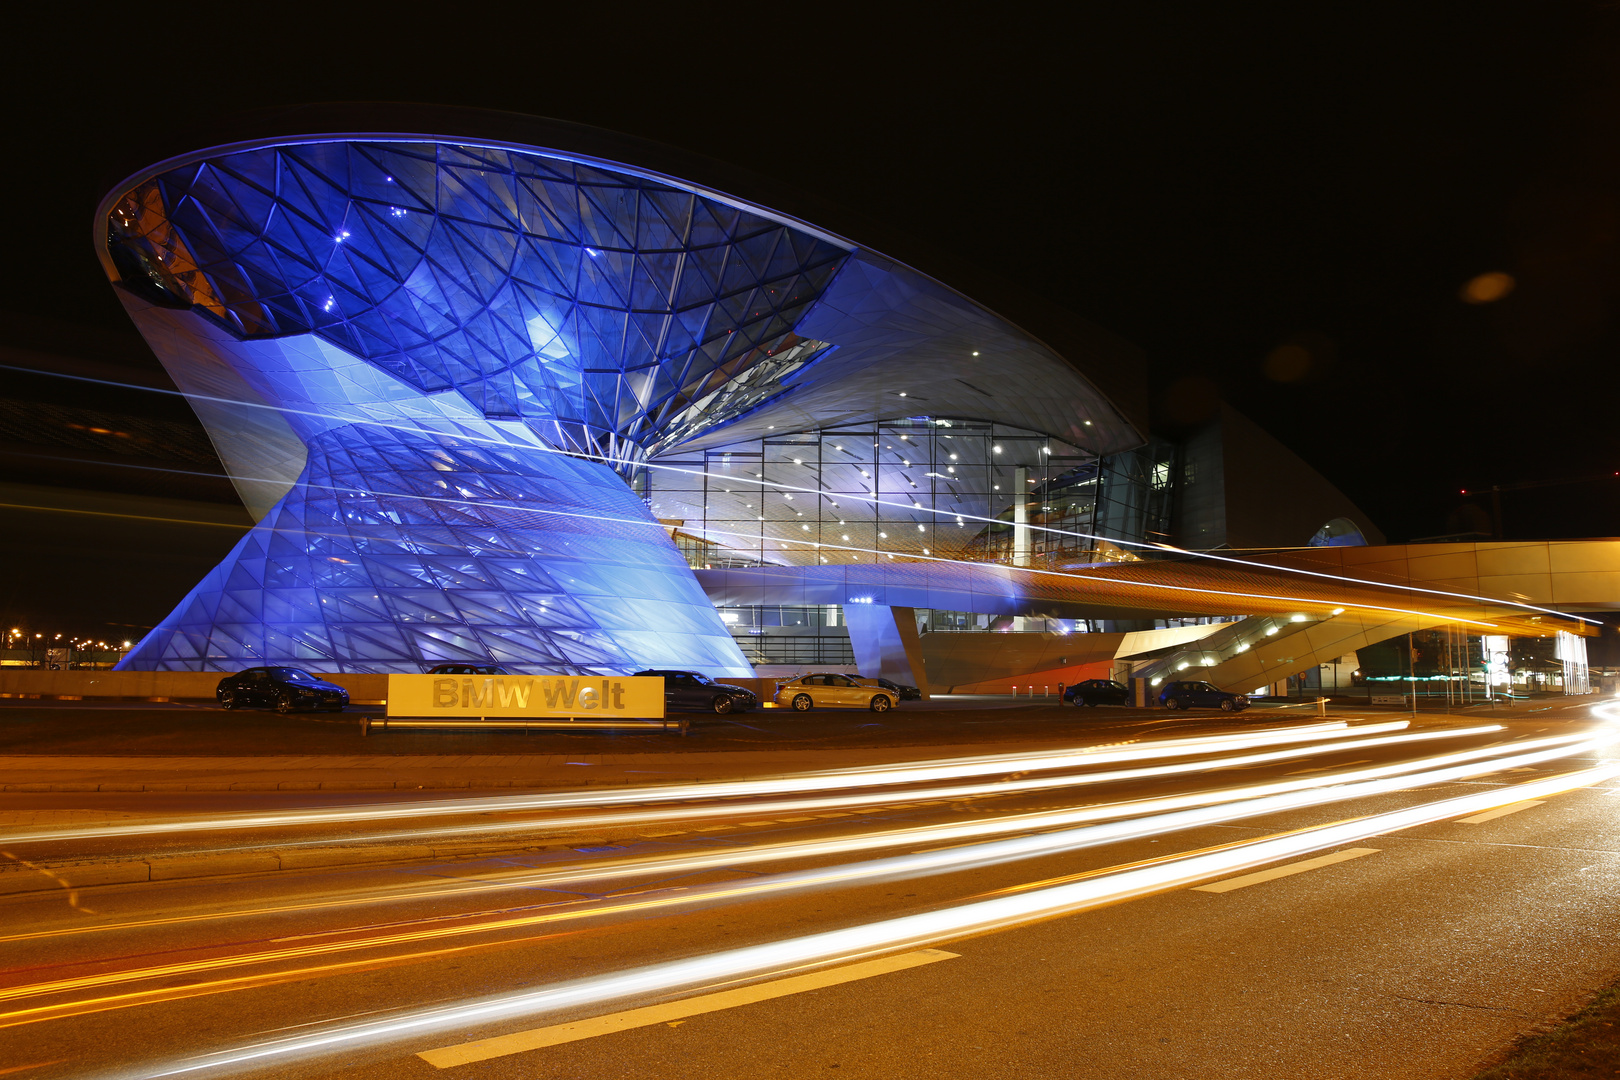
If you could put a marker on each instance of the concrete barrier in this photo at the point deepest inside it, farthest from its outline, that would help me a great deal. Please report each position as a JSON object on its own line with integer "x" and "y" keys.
{"x": 150, "y": 685}
{"x": 172, "y": 685}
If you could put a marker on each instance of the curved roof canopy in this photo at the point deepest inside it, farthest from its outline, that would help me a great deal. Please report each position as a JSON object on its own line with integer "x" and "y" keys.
{"x": 620, "y": 298}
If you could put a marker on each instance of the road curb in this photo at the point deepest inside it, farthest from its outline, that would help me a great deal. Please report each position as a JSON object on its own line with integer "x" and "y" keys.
{"x": 20, "y": 878}
{"x": 574, "y": 780}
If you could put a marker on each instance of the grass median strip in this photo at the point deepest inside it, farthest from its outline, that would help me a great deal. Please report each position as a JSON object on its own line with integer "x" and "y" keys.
{"x": 1585, "y": 1045}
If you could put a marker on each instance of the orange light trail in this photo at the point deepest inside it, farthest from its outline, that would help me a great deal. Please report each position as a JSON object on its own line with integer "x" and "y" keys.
{"x": 884, "y": 936}
{"x": 1321, "y": 790}
{"x": 880, "y": 776}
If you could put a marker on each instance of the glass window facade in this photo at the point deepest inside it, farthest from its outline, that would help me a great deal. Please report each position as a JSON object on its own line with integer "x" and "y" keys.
{"x": 922, "y": 486}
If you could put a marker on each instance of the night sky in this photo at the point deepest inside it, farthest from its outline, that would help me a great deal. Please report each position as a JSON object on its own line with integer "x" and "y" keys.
{"x": 1281, "y": 204}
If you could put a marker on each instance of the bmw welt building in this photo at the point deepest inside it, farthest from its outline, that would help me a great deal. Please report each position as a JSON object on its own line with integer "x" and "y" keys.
{"x": 507, "y": 390}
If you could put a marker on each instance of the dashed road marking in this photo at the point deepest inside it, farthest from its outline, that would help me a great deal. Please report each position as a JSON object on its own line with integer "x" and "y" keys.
{"x": 1501, "y": 811}
{"x": 1285, "y": 871}
{"x": 516, "y": 1043}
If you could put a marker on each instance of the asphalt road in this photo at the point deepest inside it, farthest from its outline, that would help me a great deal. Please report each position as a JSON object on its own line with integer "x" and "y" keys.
{"x": 1409, "y": 952}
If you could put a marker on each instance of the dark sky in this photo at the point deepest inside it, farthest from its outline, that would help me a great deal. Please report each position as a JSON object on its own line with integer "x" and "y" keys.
{"x": 1213, "y": 182}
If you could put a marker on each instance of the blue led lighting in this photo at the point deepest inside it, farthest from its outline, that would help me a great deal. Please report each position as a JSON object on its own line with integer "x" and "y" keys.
{"x": 443, "y": 326}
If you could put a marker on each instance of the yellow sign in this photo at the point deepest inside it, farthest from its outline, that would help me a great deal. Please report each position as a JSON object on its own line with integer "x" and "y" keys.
{"x": 589, "y": 697}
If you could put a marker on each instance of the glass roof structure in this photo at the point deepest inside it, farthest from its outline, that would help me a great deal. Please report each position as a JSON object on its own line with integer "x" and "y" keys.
{"x": 439, "y": 368}
{"x": 609, "y": 308}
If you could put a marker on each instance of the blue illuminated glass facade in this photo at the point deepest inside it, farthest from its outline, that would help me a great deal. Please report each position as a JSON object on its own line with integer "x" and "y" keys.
{"x": 606, "y": 309}
{"x": 477, "y": 348}
{"x": 398, "y": 549}
{"x": 464, "y": 383}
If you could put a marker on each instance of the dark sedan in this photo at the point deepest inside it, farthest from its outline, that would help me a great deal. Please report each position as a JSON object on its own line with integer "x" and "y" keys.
{"x": 1098, "y": 692}
{"x": 900, "y": 692}
{"x": 284, "y": 689}
{"x": 1200, "y": 695}
{"x": 689, "y": 691}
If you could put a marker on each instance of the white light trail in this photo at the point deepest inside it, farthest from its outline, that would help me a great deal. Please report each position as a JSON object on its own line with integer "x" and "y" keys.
{"x": 878, "y": 776}
{"x": 929, "y": 928}
{"x": 1009, "y": 786}
{"x": 848, "y": 845}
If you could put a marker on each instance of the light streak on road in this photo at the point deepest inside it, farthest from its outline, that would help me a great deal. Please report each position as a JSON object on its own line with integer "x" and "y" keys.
{"x": 843, "y": 845}
{"x": 878, "y": 776}
{"x": 1322, "y": 790}
{"x": 889, "y": 935}
{"x": 1007, "y": 786}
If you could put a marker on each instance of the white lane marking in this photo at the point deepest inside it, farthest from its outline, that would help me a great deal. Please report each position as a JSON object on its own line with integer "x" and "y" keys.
{"x": 516, "y": 1043}
{"x": 1501, "y": 811}
{"x": 1285, "y": 871}
{"x": 795, "y": 819}
{"x": 1324, "y": 768}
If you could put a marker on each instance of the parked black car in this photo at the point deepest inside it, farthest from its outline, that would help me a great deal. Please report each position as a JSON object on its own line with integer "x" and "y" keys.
{"x": 468, "y": 669}
{"x": 281, "y": 688}
{"x": 1200, "y": 695}
{"x": 901, "y": 693}
{"x": 688, "y": 691}
{"x": 1097, "y": 692}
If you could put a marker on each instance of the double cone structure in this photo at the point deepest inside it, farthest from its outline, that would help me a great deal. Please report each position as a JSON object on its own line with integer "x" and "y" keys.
{"x": 436, "y": 365}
